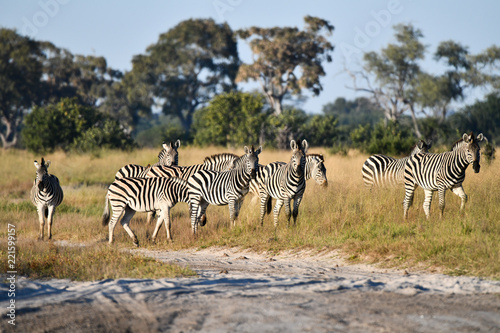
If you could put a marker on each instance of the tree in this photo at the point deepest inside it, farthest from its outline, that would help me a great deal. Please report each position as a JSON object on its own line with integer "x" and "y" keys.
{"x": 69, "y": 125}
{"x": 230, "y": 119}
{"x": 189, "y": 65}
{"x": 395, "y": 70}
{"x": 287, "y": 60}
{"x": 20, "y": 72}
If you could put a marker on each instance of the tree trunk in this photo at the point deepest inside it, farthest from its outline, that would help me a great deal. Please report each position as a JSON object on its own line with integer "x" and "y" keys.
{"x": 414, "y": 120}
{"x": 9, "y": 139}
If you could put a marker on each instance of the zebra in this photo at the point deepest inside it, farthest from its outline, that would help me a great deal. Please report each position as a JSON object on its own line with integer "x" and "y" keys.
{"x": 381, "y": 170}
{"x": 46, "y": 195}
{"x": 439, "y": 172}
{"x": 131, "y": 195}
{"x": 217, "y": 162}
{"x": 314, "y": 168}
{"x": 167, "y": 156}
{"x": 222, "y": 187}
{"x": 284, "y": 182}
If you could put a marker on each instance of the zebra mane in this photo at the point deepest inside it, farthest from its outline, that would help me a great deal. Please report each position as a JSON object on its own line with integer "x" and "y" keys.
{"x": 221, "y": 156}
{"x": 457, "y": 144}
{"x": 320, "y": 156}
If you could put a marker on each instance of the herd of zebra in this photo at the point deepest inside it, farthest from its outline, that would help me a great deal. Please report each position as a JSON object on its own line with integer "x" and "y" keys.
{"x": 225, "y": 179}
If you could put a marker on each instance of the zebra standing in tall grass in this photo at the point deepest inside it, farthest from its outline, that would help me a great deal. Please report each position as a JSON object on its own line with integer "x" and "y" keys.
{"x": 222, "y": 188}
{"x": 167, "y": 156}
{"x": 314, "y": 168}
{"x": 381, "y": 170}
{"x": 439, "y": 172}
{"x": 284, "y": 182}
{"x": 131, "y": 195}
{"x": 46, "y": 195}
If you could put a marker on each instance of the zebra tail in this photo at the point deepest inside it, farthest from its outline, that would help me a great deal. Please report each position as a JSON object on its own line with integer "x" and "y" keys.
{"x": 105, "y": 214}
{"x": 269, "y": 205}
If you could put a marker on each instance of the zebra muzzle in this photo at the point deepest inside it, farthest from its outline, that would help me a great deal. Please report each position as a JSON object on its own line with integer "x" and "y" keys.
{"x": 476, "y": 166}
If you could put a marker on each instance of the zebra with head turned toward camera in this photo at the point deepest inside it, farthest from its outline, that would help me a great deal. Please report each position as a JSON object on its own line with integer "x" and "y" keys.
{"x": 284, "y": 182}
{"x": 46, "y": 195}
{"x": 167, "y": 156}
{"x": 382, "y": 170}
{"x": 131, "y": 195}
{"x": 439, "y": 172}
{"x": 222, "y": 187}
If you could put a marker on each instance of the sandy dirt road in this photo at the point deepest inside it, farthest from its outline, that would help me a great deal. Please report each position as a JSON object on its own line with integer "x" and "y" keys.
{"x": 241, "y": 291}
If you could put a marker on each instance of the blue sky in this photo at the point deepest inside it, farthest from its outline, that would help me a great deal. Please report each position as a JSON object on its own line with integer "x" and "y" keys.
{"x": 118, "y": 30}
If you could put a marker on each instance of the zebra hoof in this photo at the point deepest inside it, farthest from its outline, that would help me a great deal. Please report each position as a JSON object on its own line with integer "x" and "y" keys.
{"x": 203, "y": 220}
{"x": 136, "y": 242}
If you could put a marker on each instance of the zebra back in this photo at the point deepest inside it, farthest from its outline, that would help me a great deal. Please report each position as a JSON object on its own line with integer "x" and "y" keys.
{"x": 382, "y": 170}
{"x": 220, "y": 187}
{"x": 145, "y": 194}
{"x": 220, "y": 162}
{"x": 132, "y": 171}
{"x": 46, "y": 189}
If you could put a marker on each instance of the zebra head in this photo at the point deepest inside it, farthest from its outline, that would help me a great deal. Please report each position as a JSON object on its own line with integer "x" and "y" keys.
{"x": 421, "y": 147}
{"x": 298, "y": 159}
{"x": 251, "y": 160}
{"x": 317, "y": 169}
{"x": 41, "y": 173}
{"x": 472, "y": 149}
{"x": 168, "y": 156}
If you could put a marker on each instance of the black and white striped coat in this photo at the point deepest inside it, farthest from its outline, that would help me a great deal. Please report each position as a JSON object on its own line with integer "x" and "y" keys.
{"x": 439, "y": 172}
{"x": 222, "y": 187}
{"x": 284, "y": 182}
{"x": 46, "y": 195}
{"x": 167, "y": 156}
{"x": 131, "y": 195}
{"x": 382, "y": 170}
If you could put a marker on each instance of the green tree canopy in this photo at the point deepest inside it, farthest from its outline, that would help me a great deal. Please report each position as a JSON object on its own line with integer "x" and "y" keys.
{"x": 69, "y": 125}
{"x": 20, "y": 88}
{"x": 189, "y": 65}
{"x": 286, "y": 59}
{"x": 230, "y": 119}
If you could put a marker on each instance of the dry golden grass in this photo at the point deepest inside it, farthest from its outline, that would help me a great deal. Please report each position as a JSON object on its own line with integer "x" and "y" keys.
{"x": 367, "y": 225}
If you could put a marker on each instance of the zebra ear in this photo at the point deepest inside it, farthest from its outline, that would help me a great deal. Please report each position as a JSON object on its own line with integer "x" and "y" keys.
{"x": 293, "y": 145}
{"x": 165, "y": 146}
{"x": 258, "y": 151}
{"x": 466, "y": 137}
{"x": 47, "y": 164}
{"x": 245, "y": 149}
{"x": 429, "y": 144}
{"x": 480, "y": 137}
{"x": 177, "y": 143}
{"x": 37, "y": 165}
{"x": 305, "y": 145}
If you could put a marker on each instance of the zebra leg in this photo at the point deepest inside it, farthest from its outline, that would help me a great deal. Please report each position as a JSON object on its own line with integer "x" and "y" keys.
{"x": 168, "y": 223}
{"x": 288, "y": 211}
{"x": 276, "y": 211}
{"x": 408, "y": 200}
{"x": 151, "y": 216}
{"x": 50, "y": 217}
{"x": 233, "y": 211}
{"x": 117, "y": 212}
{"x": 459, "y": 190}
{"x": 41, "y": 220}
{"x": 157, "y": 227}
{"x": 264, "y": 197}
{"x": 427, "y": 202}
{"x": 296, "y": 204}
{"x": 129, "y": 213}
{"x": 441, "y": 193}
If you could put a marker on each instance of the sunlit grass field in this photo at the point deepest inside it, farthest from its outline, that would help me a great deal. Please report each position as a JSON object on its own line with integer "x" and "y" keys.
{"x": 367, "y": 226}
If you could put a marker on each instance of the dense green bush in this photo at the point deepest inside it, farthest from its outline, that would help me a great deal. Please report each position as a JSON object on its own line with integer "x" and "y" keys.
{"x": 68, "y": 125}
{"x": 393, "y": 139}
